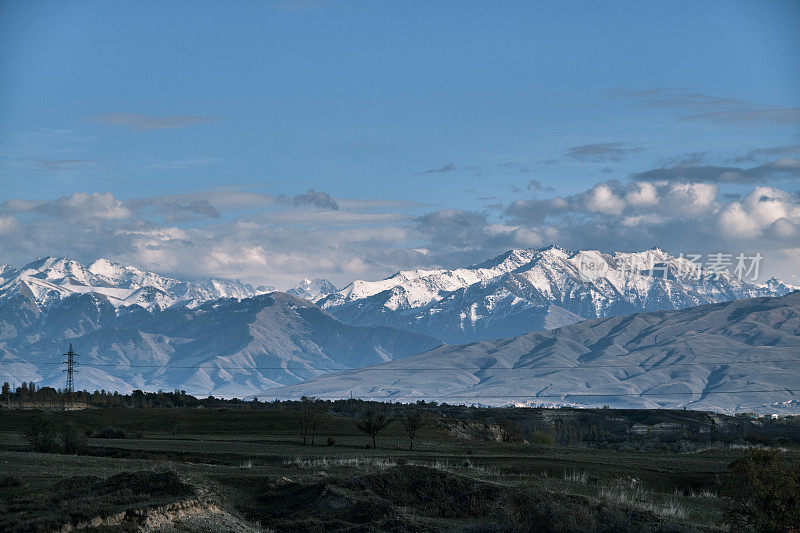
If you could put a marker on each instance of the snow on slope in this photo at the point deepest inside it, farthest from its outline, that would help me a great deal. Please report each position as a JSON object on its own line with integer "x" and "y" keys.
{"x": 51, "y": 279}
{"x": 688, "y": 357}
{"x": 413, "y": 288}
{"x": 526, "y": 290}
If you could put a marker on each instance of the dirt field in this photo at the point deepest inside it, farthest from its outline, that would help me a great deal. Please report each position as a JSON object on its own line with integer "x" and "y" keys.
{"x": 194, "y": 470}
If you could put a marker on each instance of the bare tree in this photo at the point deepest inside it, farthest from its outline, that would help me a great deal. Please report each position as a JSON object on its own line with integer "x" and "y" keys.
{"x": 175, "y": 423}
{"x": 319, "y": 414}
{"x": 312, "y": 412}
{"x": 412, "y": 419}
{"x": 372, "y": 422}
{"x": 7, "y": 394}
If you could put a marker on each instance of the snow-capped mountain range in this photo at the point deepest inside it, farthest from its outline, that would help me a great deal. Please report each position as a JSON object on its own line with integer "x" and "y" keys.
{"x": 729, "y": 357}
{"x": 52, "y": 279}
{"x": 137, "y": 329}
{"x": 536, "y": 289}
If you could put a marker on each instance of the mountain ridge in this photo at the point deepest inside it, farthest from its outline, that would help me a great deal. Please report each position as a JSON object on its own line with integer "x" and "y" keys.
{"x": 528, "y": 289}
{"x": 229, "y": 347}
{"x": 730, "y": 357}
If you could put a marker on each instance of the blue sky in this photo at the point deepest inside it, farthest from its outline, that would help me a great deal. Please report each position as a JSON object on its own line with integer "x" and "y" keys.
{"x": 413, "y": 119}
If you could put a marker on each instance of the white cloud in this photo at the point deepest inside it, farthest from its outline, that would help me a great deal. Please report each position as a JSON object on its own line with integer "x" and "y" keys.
{"x": 79, "y": 205}
{"x": 763, "y": 209}
{"x": 650, "y": 219}
{"x": 601, "y": 199}
{"x": 8, "y": 224}
{"x": 734, "y": 221}
{"x": 784, "y": 229}
{"x": 691, "y": 199}
{"x": 642, "y": 194}
{"x": 768, "y": 204}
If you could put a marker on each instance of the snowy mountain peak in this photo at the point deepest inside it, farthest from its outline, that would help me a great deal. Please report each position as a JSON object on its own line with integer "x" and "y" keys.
{"x": 312, "y": 290}
{"x": 55, "y": 268}
{"x": 112, "y": 270}
{"x": 776, "y": 285}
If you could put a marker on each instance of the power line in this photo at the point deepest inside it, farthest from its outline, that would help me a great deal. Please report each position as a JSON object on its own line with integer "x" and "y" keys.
{"x": 393, "y": 369}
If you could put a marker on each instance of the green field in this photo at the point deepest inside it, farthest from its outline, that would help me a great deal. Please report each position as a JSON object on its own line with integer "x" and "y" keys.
{"x": 207, "y": 470}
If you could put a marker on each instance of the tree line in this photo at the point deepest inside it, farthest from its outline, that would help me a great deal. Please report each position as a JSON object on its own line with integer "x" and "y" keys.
{"x": 562, "y": 426}
{"x": 313, "y": 413}
{"x": 28, "y": 394}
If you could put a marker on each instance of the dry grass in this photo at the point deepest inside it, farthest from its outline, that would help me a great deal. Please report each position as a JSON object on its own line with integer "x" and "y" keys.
{"x": 351, "y": 462}
{"x": 634, "y": 496}
{"x": 576, "y": 477}
{"x": 696, "y": 495}
{"x": 720, "y": 446}
{"x": 381, "y": 463}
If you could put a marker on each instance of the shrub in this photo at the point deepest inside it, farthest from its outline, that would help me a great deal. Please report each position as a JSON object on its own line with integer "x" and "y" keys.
{"x": 330, "y": 442}
{"x": 110, "y": 433}
{"x": 11, "y": 481}
{"x": 510, "y": 431}
{"x": 765, "y": 490}
{"x": 481, "y": 432}
{"x": 540, "y": 437}
{"x": 41, "y": 436}
{"x": 73, "y": 440}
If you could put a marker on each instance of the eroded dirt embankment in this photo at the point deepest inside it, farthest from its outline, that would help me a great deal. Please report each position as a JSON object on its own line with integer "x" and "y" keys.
{"x": 131, "y": 501}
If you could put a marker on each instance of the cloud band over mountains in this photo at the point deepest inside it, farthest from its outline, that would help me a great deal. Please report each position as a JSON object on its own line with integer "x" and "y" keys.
{"x": 276, "y": 239}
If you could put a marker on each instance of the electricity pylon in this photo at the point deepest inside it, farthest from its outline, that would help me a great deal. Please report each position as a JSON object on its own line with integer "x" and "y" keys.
{"x": 70, "y": 370}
